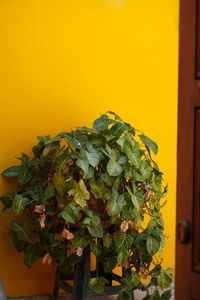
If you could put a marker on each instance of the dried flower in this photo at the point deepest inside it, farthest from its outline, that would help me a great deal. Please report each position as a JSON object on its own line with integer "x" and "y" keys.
{"x": 47, "y": 259}
{"x": 124, "y": 226}
{"x": 66, "y": 234}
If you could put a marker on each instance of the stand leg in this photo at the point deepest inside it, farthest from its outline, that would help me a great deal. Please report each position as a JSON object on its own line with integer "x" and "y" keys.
{"x": 78, "y": 281}
{"x": 86, "y": 273}
{"x": 101, "y": 272}
{"x": 56, "y": 288}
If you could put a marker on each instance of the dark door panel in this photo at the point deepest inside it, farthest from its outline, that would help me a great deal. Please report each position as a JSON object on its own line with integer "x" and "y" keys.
{"x": 188, "y": 163}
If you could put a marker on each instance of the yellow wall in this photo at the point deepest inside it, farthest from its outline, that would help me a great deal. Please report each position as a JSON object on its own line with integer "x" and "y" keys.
{"x": 63, "y": 63}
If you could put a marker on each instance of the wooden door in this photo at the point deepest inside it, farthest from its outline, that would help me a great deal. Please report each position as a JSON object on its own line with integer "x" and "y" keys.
{"x": 188, "y": 167}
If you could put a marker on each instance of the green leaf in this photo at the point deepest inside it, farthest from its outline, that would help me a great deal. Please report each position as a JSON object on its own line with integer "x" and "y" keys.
{"x": 87, "y": 221}
{"x": 165, "y": 278}
{"x": 155, "y": 295}
{"x": 96, "y": 220}
{"x": 165, "y": 192}
{"x": 136, "y": 215}
{"x": 156, "y": 269}
{"x": 7, "y": 200}
{"x": 90, "y": 213}
{"x": 89, "y": 174}
{"x": 81, "y": 137}
{"x": 30, "y": 258}
{"x": 153, "y": 244}
{"x": 120, "y": 142}
{"x": 115, "y": 204}
{"x": 69, "y": 213}
{"x": 43, "y": 139}
{"x": 122, "y": 160}
{"x": 25, "y": 159}
{"x": 19, "y": 203}
{"x": 107, "y": 179}
{"x": 147, "y": 297}
{"x": 49, "y": 192}
{"x": 124, "y": 294}
{"x": 81, "y": 241}
{"x": 123, "y": 241}
{"x": 107, "y": 240}
{"x": 24, "y": 175}
{"x": 109, "y": 264}
{"x": 135, "y": 279}
{"x": 136, "y": 198}
{"x": 149, "y": 143}
{"x": 117, "y": 129}
{"x": 93, "y": 218}
{"x": 98, "y": 189}
{"x": 152, "y": 225}
{"x": 83, "y": 164}
{"x": 133, "y": 153}
{"x": 166, "y": 295}
{"x": 70, "y": 139}
{"x": 102, "y": 122}
{"x": 162, "y": 244}
{"x": 115, "y": 115}
{"x": 95, "y": 231}
{"x": 156, "y": 182}
{"x": 116, "y": 183}
{"x": 22, "y": 230}
{"x": 49, "y": 148}
{"x": 114, "y": 169}
{"x": 73, "y": 258}
{"x": 159, "y": 220}
{"x": 145, "y": 169}
{"x": 137, "y": 176}
{"x": 96, "y": 249}
{"x": 80, "y": 193}
{"x": 11, "y": 172}
{"x": 33, "y": 252}
{"x": 67, "y": 217}
{"x": 61, "y": 162}
{"x": 15, "y": 226}
{"x": 98, "y": 284}
{"x": 92, "y": 156}
{"x": 59, "y": 183}
{"x": 19, "y": 245}
{"x": 122, "y": 257}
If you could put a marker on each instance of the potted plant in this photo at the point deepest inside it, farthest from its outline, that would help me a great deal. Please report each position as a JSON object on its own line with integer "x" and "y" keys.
{"x": 76, "y": 187}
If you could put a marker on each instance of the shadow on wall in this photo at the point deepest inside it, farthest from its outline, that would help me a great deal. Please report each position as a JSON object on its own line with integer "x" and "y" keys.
{"x": 2, "y": 292}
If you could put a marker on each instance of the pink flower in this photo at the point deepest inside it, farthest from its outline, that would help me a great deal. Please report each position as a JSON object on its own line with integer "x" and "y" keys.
{"x": 79, "y": 251}
{"x": 42, "y": 219}
{"x": 40, "y": 209}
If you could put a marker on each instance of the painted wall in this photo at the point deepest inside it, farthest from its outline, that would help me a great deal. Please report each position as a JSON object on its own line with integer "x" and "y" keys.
{"x": 63, "y": 63}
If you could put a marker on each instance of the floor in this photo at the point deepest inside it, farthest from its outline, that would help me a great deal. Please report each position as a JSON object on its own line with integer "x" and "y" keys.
{"x": 138, "y": 296}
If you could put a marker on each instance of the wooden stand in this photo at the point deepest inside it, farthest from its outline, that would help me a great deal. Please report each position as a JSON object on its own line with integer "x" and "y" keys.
{"x": 82, "y": 274}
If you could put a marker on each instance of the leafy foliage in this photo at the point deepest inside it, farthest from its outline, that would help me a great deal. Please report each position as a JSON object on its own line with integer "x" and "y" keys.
{"x": 95, "y": 186}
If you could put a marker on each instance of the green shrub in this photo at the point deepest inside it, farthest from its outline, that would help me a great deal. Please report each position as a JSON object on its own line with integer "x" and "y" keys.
{"x": 95, "y": 186}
